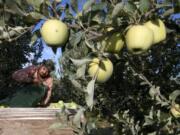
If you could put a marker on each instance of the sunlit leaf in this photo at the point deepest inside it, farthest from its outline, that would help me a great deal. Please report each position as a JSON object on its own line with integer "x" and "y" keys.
{"x": 117, "y": 9}
{"x": 81, "y": 71}
{"x": 76, "y": 38}
{"x": 80, "y": 62}
{"x": 168, "y": 12}
{"x": 77, "y": 84}
{"x": 77, "y": 117}
{"x": 90, "y": 94}
{"x": 144, "y": 5}
{"x": 174, "y": 95}
{"x": 12, "y": 5}
{"x": 130, "y": 7}
{"x": 98, "y": 7}
{"x": 35, "y": 16}
{"x": 154, "y": 91}
{"x": 33, "y": 39}
{"x": 87, "y": 6}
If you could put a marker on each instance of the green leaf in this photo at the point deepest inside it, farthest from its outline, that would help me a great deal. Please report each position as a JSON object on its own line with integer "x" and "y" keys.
{"x": 98, "y": 7}
{"x": 81, "y": 71}
{"x": 19, "y": 2}
{"x": 33, "y": 39}
{"x": 87, "y": 6}
{"x": 77, "y": 118}
{"x": 174, "y": 95}
{"x": 34, "y": 16}
{"x": 74, "y": 5}
{"x": 76, "y": 38}
{"x": 12, "y": 5}
{"x": 2, "y": 22}
{"x": 57, "y": 125}
{"x": 35, "y": 3}
{"x": 76, "y": 84}
{"x": 99, "y": 18}
{"x": 90, "y": 93}
{"x": 168, "y": 12}
{"x": 80, "y": 62}
{"x": 117, "y": 9}
{"x": 177, "y": 6}
{"x": 154, "y": 91}
{"x": 144, "y": 5}
{"x": 153, "y": 133}
{"x": 129, "y": 7}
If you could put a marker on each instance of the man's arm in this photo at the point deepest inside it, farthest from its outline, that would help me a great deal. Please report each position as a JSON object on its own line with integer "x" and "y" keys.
{"x": 48, "y": 97}
{"x": 49, "y": 84}
{"x": 24, "y": 75}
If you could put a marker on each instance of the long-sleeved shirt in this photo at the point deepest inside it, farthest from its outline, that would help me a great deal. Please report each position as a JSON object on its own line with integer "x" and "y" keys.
{"x": 25, "y": 75}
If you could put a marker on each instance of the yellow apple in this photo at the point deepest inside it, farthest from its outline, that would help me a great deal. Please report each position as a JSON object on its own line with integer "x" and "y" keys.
{"x": 2, "y": 106}
{"x": 175, "y": 110}
{"x": 113, "y": 43}
{"x": 54, "y": 32}
{"x": 71, "y": 105}
{"x": 158, "y": 28}
{"x": 139, "y": 39}
{"x": 103, "y": 68}
{"x": 61, "y": 103}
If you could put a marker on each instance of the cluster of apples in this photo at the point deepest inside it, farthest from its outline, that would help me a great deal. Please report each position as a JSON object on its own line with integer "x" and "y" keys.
{"x": 60, "y": 105}
{"x": 138, "y": 39}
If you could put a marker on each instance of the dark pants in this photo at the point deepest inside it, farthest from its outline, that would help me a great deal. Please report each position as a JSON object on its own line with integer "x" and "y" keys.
{"x": 26, "y": 96}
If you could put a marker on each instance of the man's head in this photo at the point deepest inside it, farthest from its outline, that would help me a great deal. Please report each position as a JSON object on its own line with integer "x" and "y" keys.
{"x": 45, "y": 68}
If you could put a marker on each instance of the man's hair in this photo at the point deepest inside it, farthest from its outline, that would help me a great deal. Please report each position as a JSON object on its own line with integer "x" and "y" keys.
{"x": 49, "y": 64}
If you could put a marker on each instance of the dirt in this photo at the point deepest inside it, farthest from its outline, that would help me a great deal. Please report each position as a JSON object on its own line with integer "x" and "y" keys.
{"x": 31, "y": 127}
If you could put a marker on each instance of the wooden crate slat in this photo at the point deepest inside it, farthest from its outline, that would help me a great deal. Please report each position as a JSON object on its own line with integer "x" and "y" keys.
{"x": 28, "y": 113}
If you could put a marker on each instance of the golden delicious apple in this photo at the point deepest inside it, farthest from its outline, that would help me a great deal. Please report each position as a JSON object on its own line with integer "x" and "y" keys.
{"x": 103, "y": 68}
{"x": 139, "y": 39}
{"x": 54, "y": 32}
{"x": 158, "y": 28}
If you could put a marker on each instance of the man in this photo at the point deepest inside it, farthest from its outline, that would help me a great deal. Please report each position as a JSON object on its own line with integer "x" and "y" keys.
{"x": 37, "y": 75}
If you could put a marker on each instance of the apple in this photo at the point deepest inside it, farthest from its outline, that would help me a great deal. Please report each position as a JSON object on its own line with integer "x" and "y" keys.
{"x": 71, "y": 105}
{"x": 158, "y": 28}
{"x": 113, "y": 43}
{"x": 175, "y": 110}
{"x": 103, "y": 68}
{"x": 54, "y": 32}
{"x": 139, "y": 39}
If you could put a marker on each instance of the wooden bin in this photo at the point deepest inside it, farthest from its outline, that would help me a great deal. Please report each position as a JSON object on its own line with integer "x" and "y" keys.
{"x": 30, "y": 121}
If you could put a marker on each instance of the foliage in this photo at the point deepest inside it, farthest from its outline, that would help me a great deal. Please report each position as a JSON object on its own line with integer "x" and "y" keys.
{"x": 136, "y": 99}
{"x": 13, "y": 55}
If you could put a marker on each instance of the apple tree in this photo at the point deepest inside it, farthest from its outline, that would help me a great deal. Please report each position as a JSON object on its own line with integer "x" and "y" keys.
{"x": 120, "y": 60}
